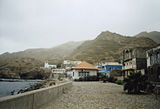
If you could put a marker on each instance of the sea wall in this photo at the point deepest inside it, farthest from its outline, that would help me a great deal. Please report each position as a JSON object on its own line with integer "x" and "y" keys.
{"x": 34, "y": 99}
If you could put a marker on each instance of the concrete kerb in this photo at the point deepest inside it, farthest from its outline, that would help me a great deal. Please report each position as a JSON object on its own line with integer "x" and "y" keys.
{"x": 34, "y": 99}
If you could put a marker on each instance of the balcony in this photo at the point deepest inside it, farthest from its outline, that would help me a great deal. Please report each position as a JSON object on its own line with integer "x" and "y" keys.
{"x": 129, "y": 67}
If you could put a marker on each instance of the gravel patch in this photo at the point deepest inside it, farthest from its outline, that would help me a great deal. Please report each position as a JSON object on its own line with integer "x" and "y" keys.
{"x": 97, "y": 95}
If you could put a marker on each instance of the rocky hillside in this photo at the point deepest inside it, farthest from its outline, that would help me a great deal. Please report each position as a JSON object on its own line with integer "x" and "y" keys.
{"x": 13, "y": 68}
{"x": 155, "y": 36}
{"x": 108, "y": 46}
{"x": 26, "y": 64}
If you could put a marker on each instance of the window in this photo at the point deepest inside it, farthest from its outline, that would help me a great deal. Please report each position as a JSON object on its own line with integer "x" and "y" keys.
{"x": 130, "y": 63}
{"x": 105, "y": 68}
{"x": 111, "y": 68}
{"x": 82, "y": 73}
{"x": 73, "y": 73}
{"x": 151, "y": 60}
{"x": 134, "y": 62}
{"x": 158, "y": 57}
{"x": 118, "y": 68}
{"x": 87, "y": 73}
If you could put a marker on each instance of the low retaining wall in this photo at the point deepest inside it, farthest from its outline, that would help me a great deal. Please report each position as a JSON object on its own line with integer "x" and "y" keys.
{"x": 34, "y": 99}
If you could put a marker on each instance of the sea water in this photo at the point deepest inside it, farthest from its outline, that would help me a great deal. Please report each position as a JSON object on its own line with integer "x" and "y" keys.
{"x": 12, "y": 86}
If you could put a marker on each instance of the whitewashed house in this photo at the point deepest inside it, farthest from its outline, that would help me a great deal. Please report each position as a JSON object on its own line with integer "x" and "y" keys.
{"x": 46, "y": 65}
{"x": 83, "y": 69}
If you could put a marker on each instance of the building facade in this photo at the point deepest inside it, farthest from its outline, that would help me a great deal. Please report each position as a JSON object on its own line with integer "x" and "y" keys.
{"x": 107, "y": 67}
{"x": 153, "y": 64}
{"x": 67, "y": 64}
{"x": 46, "y": 65}
{"x": 83, "y": 70}
{"x": 58, "y": 73}
{"x": 134, "y": 60}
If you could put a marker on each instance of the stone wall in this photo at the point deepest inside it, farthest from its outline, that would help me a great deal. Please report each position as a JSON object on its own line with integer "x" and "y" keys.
{"x": 34, "y": 99}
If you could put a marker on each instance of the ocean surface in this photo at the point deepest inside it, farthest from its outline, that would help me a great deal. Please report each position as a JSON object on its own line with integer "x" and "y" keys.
{"x": 14, "y": 85}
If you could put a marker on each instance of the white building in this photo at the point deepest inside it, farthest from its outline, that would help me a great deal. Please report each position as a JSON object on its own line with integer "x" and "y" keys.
{"x": 71, "y": 62}
{"x": 82, "y": 70}
{"x": 57, "y": 73}
{"x": 60, "y": 71}
{"x": 67, "y": 64}
{"x": 46, "y": 65}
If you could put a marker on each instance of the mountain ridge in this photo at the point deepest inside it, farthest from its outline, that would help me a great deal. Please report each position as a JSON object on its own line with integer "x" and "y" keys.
{"x": 44, "y": 54}
{"x": 154, "y": 35}
{"x": 106, "y": 46}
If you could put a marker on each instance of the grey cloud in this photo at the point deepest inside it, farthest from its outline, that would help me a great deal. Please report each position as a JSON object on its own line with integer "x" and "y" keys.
{"x": 46, "y": 23}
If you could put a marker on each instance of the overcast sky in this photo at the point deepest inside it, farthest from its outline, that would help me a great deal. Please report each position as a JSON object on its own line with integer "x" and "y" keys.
{"x": 46, "y": 23}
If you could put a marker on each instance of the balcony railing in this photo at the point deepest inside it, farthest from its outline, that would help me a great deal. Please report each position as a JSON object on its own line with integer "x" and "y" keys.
{"x": 129, "y": 67}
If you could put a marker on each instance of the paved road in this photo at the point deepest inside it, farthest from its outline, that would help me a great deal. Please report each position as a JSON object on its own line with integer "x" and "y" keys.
{"x": 97, "y": 95}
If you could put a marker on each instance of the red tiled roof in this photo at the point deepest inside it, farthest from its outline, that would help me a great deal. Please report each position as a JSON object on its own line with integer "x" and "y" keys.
{"x": 86, "y": 66}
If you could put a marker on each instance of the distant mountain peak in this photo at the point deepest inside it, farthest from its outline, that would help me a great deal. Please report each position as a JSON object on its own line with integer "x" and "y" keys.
{"x": 107, "y": 35}
{"x": 154, "y": 35}
{"x": 142, "y": 33}
{"x": 107, "y": 32}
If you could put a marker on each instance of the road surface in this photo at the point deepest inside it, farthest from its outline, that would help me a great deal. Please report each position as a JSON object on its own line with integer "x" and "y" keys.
{"x": 98, "y": 95}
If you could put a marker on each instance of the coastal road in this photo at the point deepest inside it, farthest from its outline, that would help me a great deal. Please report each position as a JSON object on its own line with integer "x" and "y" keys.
{"x": 97, "y": 95}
